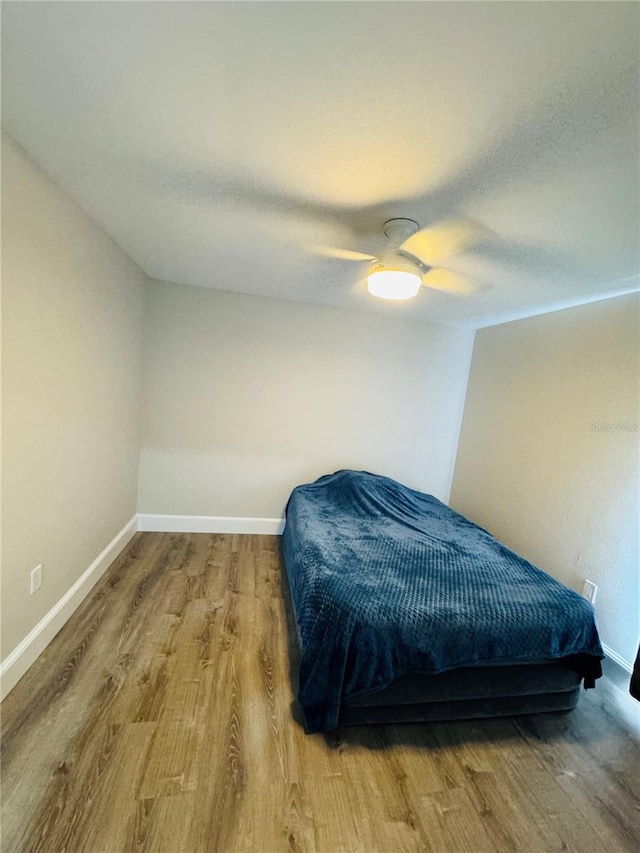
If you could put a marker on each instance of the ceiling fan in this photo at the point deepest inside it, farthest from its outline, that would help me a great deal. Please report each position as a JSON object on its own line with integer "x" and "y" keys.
{"x": 406, "y": 257}
{"x": 407, "y": 262}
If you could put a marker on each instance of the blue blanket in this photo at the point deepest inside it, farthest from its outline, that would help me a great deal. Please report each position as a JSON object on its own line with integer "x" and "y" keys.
{"x": 387, "y": 581}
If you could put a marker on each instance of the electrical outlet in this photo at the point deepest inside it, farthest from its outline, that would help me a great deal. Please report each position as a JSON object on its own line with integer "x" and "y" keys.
{"x": 589, "y": 591}
{"x": 36, "y": 579}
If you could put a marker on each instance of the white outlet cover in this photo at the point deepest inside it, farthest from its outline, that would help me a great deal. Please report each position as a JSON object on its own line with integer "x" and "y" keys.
{"x": 589, "y": 591}
{"x": 36, "y": 579}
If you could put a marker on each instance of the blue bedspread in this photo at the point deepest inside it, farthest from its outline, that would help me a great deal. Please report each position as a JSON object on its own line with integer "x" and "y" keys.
{"x": 388, "y": 581}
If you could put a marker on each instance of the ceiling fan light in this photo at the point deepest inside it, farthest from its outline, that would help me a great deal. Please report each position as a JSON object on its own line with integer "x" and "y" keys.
{"x": 393, "y": 283}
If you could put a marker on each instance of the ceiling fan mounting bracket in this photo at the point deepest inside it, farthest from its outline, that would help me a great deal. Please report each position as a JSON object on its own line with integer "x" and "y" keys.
{"x": 399, "y": 228}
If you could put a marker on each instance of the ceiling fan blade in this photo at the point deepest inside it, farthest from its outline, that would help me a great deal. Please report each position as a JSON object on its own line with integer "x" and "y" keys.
{"x": 338, "y": 254}
{"x": 448, "y": 281}
{"x": 436, "y": 244}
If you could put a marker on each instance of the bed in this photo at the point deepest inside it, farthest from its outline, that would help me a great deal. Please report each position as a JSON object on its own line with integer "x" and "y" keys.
{"x": 406, "y": 610}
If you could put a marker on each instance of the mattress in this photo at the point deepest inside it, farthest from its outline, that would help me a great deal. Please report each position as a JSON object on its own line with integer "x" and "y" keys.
{"x": 468, "y": 693}
{"x": 387, "y": 582}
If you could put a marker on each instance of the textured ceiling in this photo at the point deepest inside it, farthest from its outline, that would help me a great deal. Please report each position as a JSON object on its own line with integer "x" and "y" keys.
{"x": 219, "y": 143}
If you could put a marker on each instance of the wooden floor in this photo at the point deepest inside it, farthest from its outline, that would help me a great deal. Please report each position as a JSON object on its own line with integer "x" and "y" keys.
{"x": 160, "y": 719}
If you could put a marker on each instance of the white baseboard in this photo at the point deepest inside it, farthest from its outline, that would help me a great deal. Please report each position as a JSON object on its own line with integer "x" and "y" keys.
{"x": 623, "y": 662}
{"x": 15, "y": 665}
{"x": 209, "y": 524}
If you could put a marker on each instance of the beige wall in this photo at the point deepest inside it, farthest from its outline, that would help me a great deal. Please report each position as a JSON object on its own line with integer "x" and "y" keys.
{"x": 71, "y": 369}
{"x": 245, "y": 397}
{"x": 534, "y": 470}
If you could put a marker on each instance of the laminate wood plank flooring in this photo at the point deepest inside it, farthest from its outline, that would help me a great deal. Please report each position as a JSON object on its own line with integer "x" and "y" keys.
{"x": 162, "y": 719}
